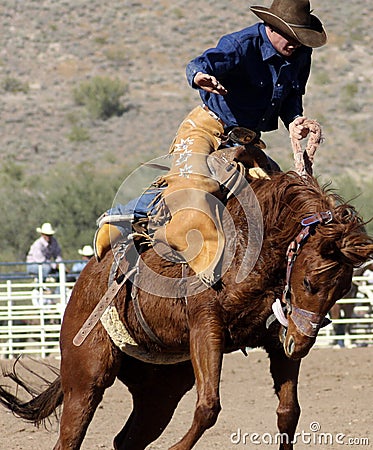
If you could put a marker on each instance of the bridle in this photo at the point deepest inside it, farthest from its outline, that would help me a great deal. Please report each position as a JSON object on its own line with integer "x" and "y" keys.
{"x": 307, "y": 322}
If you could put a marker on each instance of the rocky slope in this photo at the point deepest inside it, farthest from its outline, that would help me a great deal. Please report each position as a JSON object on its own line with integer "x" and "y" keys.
{"x": 48, "y": 47}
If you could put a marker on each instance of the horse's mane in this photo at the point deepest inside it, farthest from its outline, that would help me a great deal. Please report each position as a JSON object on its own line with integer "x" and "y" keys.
{"x": 287, "y": 198}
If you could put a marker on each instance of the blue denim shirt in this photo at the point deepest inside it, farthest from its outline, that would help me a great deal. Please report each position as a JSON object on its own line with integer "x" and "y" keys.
{"x": 262, "y": 85}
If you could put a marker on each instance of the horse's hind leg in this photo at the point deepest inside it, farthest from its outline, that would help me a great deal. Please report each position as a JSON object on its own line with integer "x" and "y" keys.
{"x": 86, "y": 372}
{"x": 156, "y": 392}
{"x": 285, "y": 374}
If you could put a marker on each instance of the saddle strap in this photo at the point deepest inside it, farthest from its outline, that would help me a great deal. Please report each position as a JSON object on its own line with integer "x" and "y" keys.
{"x": 138, "y": 311}
{"x": 101, "y": 306}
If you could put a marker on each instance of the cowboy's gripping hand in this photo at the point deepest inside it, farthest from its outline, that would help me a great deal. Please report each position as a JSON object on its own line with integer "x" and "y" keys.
{"x": 209, "y": 83}
{"x": 297, "y": 129}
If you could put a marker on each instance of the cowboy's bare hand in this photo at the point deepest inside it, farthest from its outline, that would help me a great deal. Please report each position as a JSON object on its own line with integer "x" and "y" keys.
{"x": 297, "y": 130}
{"x": 209, "y": 83}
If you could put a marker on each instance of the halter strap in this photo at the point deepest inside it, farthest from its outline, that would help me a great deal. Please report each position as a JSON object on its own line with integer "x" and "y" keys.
{"x": 307, "y": 322}
{"x": 308, "y": 223}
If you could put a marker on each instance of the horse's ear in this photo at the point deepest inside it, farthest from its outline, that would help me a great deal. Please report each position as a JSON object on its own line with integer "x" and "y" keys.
{"x": 357, "y": 248}
{"x": 354, "y": 249}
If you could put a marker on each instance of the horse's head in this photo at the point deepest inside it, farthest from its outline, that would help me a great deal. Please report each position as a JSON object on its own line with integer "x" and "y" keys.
{"x": 320, "y": 274}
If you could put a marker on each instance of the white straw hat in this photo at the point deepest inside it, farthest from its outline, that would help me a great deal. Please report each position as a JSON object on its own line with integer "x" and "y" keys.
{"x": 46, "y": 228}
{"x": 87, "y": 250}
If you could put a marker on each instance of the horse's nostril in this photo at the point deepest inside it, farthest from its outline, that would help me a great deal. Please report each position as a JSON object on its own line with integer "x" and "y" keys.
{"x": 291, "y": 345}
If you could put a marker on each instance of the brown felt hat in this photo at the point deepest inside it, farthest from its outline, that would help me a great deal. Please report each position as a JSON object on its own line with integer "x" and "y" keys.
{"x": 294, "y": 19}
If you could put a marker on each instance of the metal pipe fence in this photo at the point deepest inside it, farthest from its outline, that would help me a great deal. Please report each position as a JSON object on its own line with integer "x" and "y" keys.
{"x": 31, "y": 312}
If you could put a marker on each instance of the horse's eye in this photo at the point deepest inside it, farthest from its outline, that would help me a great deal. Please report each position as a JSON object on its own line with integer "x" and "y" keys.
{"x": 307, "y": 284}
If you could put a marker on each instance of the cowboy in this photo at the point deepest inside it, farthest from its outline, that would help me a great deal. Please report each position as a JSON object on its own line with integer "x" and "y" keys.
{"x": 86, "y": 253}
{"x": 44, "y": 251}
{"x": 250, "y": 79}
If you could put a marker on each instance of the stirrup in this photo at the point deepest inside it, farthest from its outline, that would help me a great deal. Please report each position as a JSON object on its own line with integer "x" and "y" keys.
{"x": 114, "y": 219}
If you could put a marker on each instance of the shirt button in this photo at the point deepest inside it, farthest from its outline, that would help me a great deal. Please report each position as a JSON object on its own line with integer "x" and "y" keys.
{"x": 273, "y": 103}
{"x": 278, "y": 84}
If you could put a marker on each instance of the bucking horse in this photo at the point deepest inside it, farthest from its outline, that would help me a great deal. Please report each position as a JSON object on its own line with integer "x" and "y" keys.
{"x": 178, "y": 331}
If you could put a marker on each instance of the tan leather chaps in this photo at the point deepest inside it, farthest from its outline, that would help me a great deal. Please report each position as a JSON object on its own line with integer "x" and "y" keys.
{"x": 194, "y": 229}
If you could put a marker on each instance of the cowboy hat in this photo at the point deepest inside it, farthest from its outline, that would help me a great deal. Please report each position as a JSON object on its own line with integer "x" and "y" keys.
{"x": 87, "y": 250}
{"x": 46, "y": 228}
{"x": 294, "y": 19}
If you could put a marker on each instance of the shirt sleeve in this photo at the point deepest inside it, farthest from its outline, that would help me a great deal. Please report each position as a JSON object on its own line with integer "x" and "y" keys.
{"x": 292, "y": 108}
{"x": 57, "y": 253}
{"x": 36, "y": 252}
{"x": 293, "y": 104}
{"x": 215, "y": 61}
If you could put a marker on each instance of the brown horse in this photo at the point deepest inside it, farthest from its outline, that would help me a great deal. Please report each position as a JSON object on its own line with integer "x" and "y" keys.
{"x": 201, "y": 328}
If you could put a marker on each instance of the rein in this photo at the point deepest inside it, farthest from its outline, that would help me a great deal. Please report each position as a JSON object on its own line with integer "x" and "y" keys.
{"x": 307, "y": 322}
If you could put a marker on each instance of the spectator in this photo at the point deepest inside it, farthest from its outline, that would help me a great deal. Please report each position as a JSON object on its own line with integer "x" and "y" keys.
{"x": 87, "y": 253}
{"x": 44, "y": 251}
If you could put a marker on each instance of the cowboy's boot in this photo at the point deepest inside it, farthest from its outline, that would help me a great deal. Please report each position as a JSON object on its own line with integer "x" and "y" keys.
{"x": 105, "y": 238}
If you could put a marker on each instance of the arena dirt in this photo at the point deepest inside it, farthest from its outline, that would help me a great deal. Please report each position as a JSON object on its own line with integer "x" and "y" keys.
{"x": 335, "y": 391}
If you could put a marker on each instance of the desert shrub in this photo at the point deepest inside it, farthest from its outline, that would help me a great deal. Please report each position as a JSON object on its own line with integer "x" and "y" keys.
{"x": 117, "y": 54}
{"x": 178, "y": 13}
{"x": 349, "y": 90}
{"x": 78, "y": 134}
{"x": 348, "y": 97}
{"x": 11, "y": 84}
{"x": 101, "y": 40}
{"x": 322, "y": 78}
{"x": 101, "y": 96}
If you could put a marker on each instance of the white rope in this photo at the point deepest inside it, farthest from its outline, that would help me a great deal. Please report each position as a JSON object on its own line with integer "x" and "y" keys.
{"x": 303, "y": 159}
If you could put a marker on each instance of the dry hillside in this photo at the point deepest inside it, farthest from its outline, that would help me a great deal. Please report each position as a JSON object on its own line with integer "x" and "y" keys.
{"x": 52, "y": 46}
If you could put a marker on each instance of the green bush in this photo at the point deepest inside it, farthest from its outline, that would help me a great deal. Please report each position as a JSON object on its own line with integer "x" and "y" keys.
{"x": 349, "y": 99}
{"x": 117, "y": 54}
{"x": 101, "y": 96}
{"x": 321, "y": 78}
{"x": 11, "y": 84}
{"x": 78, "y": 134}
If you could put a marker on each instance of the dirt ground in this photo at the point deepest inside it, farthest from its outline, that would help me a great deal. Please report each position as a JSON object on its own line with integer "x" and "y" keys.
{"x": 335, "y": 390}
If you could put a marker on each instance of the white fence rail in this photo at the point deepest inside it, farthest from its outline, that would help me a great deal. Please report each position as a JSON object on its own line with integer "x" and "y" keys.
{"x": 355, "y": 326}
{"x": 31, "y": 315}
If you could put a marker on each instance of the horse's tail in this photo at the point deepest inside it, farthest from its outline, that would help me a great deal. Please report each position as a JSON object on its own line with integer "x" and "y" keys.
{"x": 40, "y": 407}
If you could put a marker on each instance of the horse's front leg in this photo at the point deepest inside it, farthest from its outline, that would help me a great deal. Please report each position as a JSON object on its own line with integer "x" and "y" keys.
{"x": 285, "y": 374}
{"x": 206, "y": 344}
